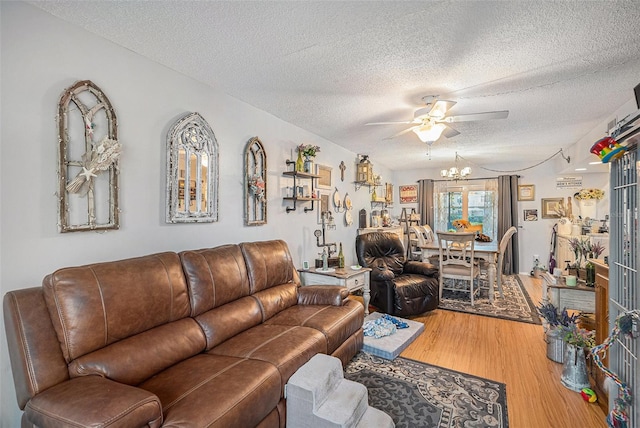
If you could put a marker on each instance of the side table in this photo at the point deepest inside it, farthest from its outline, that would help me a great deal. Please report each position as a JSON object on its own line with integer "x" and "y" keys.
{"x": 579, "y": 297}
{"x": 344, "y": 277}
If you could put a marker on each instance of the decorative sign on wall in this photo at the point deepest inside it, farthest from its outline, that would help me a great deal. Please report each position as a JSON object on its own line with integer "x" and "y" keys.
{"x": 88, "y": 156}
{"x": 409, "y": 194}
{"x": 192, "y": 171}
{"x": 255, "y": 194}
{"x": 568, "y": 182}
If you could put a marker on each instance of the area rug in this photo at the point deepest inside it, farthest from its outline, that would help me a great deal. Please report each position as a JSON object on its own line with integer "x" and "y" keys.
{"x": 416, "y": 394}
{"x": 516, "y": 305}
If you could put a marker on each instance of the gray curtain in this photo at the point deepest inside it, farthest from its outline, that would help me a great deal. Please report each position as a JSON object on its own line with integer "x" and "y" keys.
{"x": 507, "y": 217}
{"x": 425, "y": 202}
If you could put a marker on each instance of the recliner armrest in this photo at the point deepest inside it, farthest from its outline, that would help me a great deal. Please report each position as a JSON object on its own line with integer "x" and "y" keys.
{"x": 94, "y": 401}
{"x": 421, "y": 268}
{"x": 322, "y": 295}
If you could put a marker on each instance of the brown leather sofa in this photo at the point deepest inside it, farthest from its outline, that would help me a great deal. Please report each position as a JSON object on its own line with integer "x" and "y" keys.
{"x": 399, "y": 286}
{"x": 200, "y": 338}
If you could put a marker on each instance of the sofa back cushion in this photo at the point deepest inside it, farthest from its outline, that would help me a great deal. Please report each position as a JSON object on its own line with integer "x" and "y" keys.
{"x": 269, "y": 264}
{"x": 96, "y": 305}
{"x": 215, "y": 276}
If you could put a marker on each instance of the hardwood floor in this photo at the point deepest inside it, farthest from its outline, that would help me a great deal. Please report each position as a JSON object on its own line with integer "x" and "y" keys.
{"x": 510, "y": 352}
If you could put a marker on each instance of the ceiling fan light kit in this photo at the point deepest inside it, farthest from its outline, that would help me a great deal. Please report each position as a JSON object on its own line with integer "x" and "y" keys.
{"x": 430, "y": 131}
{"x": 430, "y": 122}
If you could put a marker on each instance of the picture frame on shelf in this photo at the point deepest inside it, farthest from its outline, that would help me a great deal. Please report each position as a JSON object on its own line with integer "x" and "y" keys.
{"x": 531, "y": 215}
{"x": 324, "y": 181}
{"x": 526, "y": 192}
{"x": 408, "y": 194}
{"x": 551, "y": 207}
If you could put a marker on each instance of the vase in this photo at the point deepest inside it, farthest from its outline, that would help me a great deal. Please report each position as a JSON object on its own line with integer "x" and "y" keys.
{"x": 588, "y": 208}
{"x": 308, "y": 165}
{"x": 299, "y": 163}
{"x": 574, "y": 369}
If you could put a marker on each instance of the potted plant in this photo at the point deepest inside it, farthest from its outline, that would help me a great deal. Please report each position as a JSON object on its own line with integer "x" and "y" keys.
{"x": 574, "y": 372}
{"x": 309, "y": 151}
{"x": 556, "y": 320}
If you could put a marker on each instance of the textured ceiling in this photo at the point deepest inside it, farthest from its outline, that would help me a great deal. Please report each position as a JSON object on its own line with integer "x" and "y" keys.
{"x": 560, "y": 68}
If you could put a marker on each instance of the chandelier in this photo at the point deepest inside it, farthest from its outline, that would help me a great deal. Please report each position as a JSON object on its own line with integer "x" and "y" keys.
{"x": 454, "y": 173}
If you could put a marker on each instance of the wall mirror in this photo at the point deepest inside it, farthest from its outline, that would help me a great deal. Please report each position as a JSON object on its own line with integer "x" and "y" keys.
{"x": 255, "y": 188}
{"x": 192, "y": 171}
{"x": 88, "y": 155}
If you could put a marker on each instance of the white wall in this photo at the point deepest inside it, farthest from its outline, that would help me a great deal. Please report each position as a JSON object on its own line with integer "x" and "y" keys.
{"x": 41, "y": 56}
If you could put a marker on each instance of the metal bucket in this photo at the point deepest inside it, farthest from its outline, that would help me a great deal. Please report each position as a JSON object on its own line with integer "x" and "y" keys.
{"x": 574, "y": 373}
{"x": 555, "y": 346}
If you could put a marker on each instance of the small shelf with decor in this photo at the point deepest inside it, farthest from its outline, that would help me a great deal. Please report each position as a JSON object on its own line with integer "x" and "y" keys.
{"x": 297, "y": 176}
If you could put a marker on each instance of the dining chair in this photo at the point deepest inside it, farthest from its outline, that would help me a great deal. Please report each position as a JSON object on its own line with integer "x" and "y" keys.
{"x": 504, "y": 243}
{"x": 457, "y": 262}
{"x": 423, "y": 237}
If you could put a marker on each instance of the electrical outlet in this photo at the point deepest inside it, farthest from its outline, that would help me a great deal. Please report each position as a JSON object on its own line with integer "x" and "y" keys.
{"x": 536, "y": 259}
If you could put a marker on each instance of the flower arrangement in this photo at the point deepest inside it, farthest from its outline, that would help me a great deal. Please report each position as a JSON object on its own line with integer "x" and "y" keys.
{"x": 589, "y": 194}
{"x": 550, "y": 313}
{"x": 584, "y": 249}
{"x": 257, "y": 186}
{"x": 580, "y": 337}
{"x": 308, "y": 150}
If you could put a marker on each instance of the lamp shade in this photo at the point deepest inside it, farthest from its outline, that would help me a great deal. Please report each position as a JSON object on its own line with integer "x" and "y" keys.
{"x": 429, "y": 131}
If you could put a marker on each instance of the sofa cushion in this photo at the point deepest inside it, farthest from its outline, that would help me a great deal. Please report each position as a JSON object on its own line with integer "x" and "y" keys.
{"x": 92, "y": 401}
{"x": 216, "y": 391}
{"x": 137, "y": 358}
{"x": 215, "y": 276}
{"x": 286, "y": 347}
{"x": 226, "y": 321}
{"x": 336, "y": 323}
{"x": 269, "y": 263}
{"x": 276, "y": 299}
{"x": 95, "y": 305}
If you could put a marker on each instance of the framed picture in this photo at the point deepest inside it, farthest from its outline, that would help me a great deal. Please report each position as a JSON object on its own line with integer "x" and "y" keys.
{"x": 323, "y": 206}
{"x": 526, "y": 192}
{"x": 324, "y": 182}
{"x": 551, "y": 207}
{"x": 531, "y": 215}
{"x": 409, "y": 194}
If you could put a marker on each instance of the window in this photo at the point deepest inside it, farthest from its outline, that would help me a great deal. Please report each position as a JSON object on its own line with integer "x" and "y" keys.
{"x": 475, "y": 201}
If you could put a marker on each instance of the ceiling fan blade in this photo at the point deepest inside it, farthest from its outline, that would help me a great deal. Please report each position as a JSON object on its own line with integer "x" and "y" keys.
{"x": 476, "y": 116}
{"x": 440, "y": 108}
{"x": 400, "y": 133}
{"x": 389, "y": 123}
{"x": 450, "y": 132}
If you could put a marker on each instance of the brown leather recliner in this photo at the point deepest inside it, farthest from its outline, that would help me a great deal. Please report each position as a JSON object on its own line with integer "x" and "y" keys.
{"x": 398, "y": 287}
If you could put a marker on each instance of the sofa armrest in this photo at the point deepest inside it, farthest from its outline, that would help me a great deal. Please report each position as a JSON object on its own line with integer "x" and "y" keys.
{"x": 94, "y": 401}
{"x": 421, "y": 268}
{"x": 322, "y": 295}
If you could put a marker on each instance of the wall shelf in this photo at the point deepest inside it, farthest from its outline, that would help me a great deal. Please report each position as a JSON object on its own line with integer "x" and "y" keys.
{"x": 297, "y": 175}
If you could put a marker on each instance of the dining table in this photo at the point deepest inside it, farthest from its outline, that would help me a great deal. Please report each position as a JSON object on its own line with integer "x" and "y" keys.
{"x": 487, "y": 251}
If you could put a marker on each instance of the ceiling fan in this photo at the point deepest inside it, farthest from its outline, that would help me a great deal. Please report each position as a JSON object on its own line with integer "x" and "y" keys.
{"x": 431, "y": 122}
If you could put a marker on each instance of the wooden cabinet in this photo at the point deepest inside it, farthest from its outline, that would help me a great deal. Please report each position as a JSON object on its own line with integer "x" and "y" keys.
{"x": 602, "y": 321}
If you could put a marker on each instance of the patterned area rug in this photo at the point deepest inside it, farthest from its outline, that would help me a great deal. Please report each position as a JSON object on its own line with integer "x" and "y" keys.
{"x": 515, "y": 306}
{"x": 416, "y": 394}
